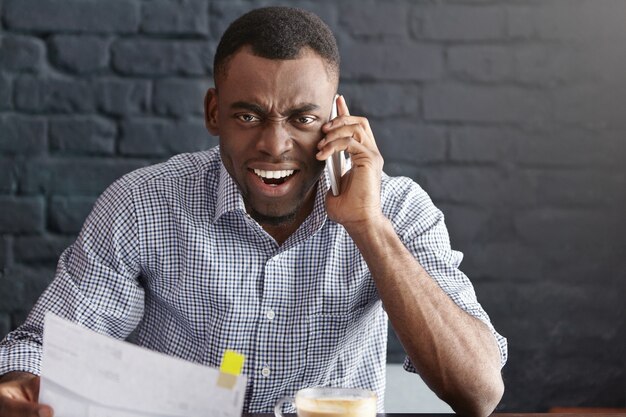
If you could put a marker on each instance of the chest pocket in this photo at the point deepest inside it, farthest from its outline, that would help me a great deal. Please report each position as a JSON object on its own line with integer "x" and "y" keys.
{"x": 333, "y": 347}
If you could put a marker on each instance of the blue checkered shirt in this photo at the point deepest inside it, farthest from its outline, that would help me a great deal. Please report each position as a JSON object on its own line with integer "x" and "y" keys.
{"x": 170, "y": 257}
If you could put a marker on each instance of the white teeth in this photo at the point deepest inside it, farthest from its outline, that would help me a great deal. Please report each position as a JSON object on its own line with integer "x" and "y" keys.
{"x": 273, "y": 174}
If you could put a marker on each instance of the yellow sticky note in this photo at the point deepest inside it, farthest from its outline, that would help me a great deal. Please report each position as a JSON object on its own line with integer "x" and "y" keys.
{"x": 232, "y": 362}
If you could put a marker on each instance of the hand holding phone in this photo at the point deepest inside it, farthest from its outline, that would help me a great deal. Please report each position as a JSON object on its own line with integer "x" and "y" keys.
{"x": 339, "y": 162}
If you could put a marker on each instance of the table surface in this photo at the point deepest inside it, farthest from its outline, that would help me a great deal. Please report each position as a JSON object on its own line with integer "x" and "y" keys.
{"x": 493, "y": 415}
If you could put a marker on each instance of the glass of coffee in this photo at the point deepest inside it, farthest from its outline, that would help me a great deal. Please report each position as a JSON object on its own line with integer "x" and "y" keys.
{"x": 331, "y": 402}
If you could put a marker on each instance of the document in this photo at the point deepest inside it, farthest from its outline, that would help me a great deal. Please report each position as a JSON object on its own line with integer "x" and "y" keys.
{"x": 86, "y": 374}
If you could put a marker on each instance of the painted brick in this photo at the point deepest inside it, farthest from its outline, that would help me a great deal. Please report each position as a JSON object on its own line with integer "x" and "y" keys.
{"x": 471, "y": 103}
{"x": 465, "y": 224}
{"x": 570, "y": 147}
{"x": 21, "y": 53}
{"x": 555, "y": 227}
{"x": 72, "y": 15}
{"x": 10, "y": 292}
{"x": 18, "y": 317}
{"x": 22, "y": 135}
{"x": 223, "y": 13}
{"x": 458, "y": 22}
{"x": 517, "y": 18}
{"x": 54, "y": 95}
{"x": 6, "y": 92}
{"x": 580, "y": 188}
{"x": 187, "y": 17}
{"x": 330, "y": 15}
{"x": 603, "y": 259}
{"x": 180, "y": 97}
{"x": 410, "y": 141}
{"x": 44, "y": 249}
{"x": 481, "y": 63}
{"x": 67, "y": 214}
{"x": 8, "y": 177}
{"x": 5, "y": 244}
{"x": 82, "y": 135}
{"x": 481, "y": 144}
{"x": 495, "y": 260}
{"x": 121, "y": 97}
{"x": 560, "y": 304}
{"x": 564, "y": 20}
{"x": 80, "y": 54}
{"x": 552, "y": 64}
{"x": 591, "y": 105}
{"x": 77, "y": 176}
{"x": 163, "y": 137}
{"x": 480, "y": 186}
{"x": 5, "y": 324}
{"x": 398, "y": 61}
{"x": 21, "y": 214}
{"x": 405, "y": 169}
{"x": 162, "y": 57}
{"x": 389, "y": 19}
{"x": 382, "y": 99}
{"x": 22, "y": 286}
{"x": 601, "y": 61}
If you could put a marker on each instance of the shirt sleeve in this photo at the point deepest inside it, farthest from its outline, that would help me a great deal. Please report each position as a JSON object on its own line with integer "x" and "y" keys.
{"x": 422, "y": 229}
{"x": 95, "y": 284}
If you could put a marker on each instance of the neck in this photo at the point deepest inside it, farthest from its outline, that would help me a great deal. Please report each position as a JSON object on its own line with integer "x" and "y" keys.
{"x": 281, "y": 229}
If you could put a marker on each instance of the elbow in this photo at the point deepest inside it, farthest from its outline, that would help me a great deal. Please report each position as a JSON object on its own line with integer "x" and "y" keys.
{"x": 482, "y": 402}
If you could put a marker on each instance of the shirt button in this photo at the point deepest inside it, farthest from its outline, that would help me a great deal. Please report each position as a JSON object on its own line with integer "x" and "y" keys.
{"x": 265, "y": 372}
{"x": 270, "y": 314}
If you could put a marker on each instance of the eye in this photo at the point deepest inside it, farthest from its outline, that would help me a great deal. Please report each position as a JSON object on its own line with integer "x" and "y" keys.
{"x": 306, "y": 120}
{"x": 247, "y": 117}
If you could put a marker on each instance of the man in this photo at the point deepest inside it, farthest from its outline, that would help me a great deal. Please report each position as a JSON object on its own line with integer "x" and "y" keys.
{"x": 243, "y": 247}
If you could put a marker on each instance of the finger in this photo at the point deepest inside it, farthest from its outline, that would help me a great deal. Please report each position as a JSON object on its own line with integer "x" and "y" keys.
{"x": 32, "y": 388}
{"x": 343, "y": 121}
{"x": 359, "y": 133}
{"x": 10, "y": 407}
{"x": 349, "y": 144}
{"x": 350, "y": 131}
{"x": 21, "y": 387}
{"x": 342, "y": 107}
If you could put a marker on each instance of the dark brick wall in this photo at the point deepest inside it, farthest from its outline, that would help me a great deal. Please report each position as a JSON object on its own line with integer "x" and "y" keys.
{"x": 509, "y": 113}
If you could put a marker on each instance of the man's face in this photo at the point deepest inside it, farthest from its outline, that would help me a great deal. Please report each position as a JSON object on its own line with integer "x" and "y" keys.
{"x": 268, "y": 115}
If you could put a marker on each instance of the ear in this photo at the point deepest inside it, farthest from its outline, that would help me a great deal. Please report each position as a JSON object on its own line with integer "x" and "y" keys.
{"x": 211, "y": 112}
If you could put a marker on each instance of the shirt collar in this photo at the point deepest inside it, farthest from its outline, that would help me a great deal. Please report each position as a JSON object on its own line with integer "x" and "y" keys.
{"x": 228, "y": 196}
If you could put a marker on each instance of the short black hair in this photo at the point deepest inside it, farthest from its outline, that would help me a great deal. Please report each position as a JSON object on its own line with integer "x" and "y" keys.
{"x": 278, "y": 33}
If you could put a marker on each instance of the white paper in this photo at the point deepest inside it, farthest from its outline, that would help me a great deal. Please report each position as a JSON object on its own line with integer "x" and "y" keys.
{"x": 86, "y": 374}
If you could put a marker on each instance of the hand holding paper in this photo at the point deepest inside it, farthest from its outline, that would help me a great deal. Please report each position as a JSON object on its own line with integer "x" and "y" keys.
{"x": 85, "y": 374}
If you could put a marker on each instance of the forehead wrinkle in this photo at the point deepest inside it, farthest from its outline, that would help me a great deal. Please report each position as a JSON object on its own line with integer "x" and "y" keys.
{"x": 245, "y": 105}
{"x": 259, "y": 109}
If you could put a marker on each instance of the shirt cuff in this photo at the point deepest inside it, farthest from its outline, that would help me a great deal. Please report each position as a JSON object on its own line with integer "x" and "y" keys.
{"x": 20, "y": 357}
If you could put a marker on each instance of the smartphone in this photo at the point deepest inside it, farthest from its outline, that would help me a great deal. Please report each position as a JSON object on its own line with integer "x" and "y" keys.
{"x": 339, "y": 162}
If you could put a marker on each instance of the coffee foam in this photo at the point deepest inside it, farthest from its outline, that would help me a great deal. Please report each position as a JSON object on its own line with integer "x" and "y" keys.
{"x": 336, "y": 407}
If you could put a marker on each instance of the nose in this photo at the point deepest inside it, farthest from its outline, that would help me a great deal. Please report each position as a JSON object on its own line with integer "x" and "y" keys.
{"x": 275, "y": 139}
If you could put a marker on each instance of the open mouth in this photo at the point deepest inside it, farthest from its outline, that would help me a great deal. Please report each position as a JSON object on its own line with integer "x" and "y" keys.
{"x": 274, "y": 178}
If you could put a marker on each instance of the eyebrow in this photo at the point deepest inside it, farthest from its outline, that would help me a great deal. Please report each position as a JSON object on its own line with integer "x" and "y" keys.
{"x": 256, "y": 108}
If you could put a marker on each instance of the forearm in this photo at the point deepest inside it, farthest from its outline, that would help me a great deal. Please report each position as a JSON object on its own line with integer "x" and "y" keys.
{"x": 455, "y": 353}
